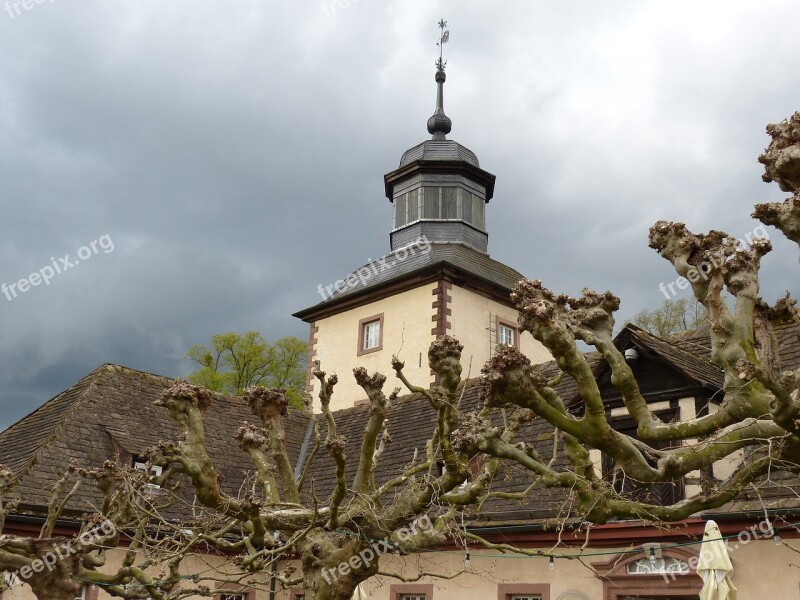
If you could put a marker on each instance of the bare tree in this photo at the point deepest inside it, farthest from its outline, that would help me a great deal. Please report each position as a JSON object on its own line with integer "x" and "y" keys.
{"x": 57, "y": 566}
{"x": 278, "y": 515}
{"x": 335, "y": 537}
{"x": 760, "y": 409}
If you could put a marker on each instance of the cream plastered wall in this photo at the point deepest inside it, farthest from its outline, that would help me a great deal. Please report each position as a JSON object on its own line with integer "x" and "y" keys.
{"x": 406, "y": 332}
{"x": 473, "y": 323}
{"x": 762, "y": 569}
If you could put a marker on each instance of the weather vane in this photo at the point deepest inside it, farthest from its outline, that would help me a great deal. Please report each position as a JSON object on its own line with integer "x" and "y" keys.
{"x": 444, "y": 37}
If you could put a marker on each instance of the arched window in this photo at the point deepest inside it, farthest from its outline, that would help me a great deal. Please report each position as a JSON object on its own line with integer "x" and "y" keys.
{"x": 667, "y": 574}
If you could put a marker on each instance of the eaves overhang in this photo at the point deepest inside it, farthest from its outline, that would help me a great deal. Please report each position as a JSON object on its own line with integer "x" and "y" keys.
{"x": 448, "y": 167}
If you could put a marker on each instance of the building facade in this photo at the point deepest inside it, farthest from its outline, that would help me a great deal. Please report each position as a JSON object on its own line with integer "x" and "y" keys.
{"x": 438, "y": 277}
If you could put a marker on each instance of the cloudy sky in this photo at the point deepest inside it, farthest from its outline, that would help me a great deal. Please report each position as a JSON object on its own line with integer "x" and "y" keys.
{"x": 232, "y": 154}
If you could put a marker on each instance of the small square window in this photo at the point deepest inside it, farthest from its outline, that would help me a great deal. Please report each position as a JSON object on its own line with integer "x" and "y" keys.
{"x": 370, "y": 334}
{"x": 419, "y": 591}
{"x": 506, "y": 333}
{"x": 524, "y": 591}
{"x": 228, "y": 593}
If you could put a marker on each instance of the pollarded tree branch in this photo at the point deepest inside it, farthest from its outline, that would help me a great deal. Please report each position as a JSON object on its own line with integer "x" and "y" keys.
{"x": 378, "y": 407}
{"x": 781, "y": 162}
{"x": 556, "y": 321}
{"x": 255, "y": 441}
{"x": 335, "y": 444}
{"x": 271, "y": 407}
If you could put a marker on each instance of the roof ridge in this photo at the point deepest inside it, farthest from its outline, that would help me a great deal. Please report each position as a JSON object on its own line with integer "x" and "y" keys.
{"x": 82, "y": 386}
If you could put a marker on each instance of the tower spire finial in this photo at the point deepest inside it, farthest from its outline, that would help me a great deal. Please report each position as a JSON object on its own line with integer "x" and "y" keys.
{"x": 439, "y": 124}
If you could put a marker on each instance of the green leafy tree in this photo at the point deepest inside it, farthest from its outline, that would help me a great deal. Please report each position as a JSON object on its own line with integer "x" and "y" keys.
{"x": 674, "y": 316}
{"x": 233, "y": 362}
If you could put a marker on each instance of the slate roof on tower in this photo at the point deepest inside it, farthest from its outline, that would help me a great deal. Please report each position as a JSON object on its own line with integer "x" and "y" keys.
{"x": 414, "y": 266}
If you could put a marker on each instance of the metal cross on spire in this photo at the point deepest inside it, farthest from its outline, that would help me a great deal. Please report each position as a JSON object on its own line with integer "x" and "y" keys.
{"x": 444, "y": 37}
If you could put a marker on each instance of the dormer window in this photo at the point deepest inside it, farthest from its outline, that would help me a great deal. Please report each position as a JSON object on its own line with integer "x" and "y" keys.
{"x": 141, "y": 464}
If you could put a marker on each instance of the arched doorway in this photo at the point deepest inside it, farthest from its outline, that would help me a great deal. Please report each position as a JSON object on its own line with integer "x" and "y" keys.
{"x": 637, "y": 577}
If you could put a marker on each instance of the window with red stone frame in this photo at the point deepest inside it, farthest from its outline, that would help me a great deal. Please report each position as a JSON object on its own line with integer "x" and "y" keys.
{"x": 370, "y": 334}
{"x": 514, "y": 591}
{"x": 231, "y": 591}
{"x": 507, "y": 329}
{"x": 409, "y": 591}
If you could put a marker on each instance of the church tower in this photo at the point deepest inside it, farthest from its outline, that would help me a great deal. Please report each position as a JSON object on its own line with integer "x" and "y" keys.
{"x": 437, "y": 278}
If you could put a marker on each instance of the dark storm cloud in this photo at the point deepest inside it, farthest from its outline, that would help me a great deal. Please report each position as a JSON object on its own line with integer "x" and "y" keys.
{"x": 235, "y": 152}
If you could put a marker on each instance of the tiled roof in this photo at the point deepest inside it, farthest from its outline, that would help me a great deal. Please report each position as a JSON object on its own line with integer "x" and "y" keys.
{"x": 694, "y": 365}
{"x": 22, "y": 440}
{"x": 113, "y": 406}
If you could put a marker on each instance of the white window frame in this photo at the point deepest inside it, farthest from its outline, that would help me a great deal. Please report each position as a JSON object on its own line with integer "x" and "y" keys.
{"x": 505, "y": 335}
{"x": 370, "y": 334}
